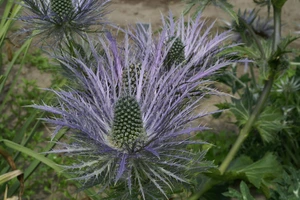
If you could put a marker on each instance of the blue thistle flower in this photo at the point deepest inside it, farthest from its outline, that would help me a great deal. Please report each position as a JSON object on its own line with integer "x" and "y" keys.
{"x": 130, "y": 123}
{"x": 188, "y": 44}
{"x": 262, "y": 27}
{"x": 56, "y": 19}
{"x": 191, "y": 43}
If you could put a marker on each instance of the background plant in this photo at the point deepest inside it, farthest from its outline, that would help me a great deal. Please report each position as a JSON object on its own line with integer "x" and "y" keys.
{"x": 18, "y": 124}
{"x": 266, "y": 111}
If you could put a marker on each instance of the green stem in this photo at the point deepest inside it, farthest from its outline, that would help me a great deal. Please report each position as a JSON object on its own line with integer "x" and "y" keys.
{"x": 253, "y": 76}
{"x": 247, "y": 128}
{"x": 242, "y": 136}
{"x": 255, "y": 113}
{"x": 261, "y": 101}
{"x": 237, "y": 79}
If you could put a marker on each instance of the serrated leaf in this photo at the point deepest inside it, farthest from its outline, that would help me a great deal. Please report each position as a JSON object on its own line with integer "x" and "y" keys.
{"x": 240, "y": 163}
{"x": 227, "y": 7}
{"x": 250, "y": 52}
{"x": 269, "y": 123}
{"x": 232, "y": 193}
{"x": 243, "y": 168}
{"x": 202, "y": 4}
{"x": 267, "y": 167}
{"x": 241, "y": 113}
{"x": 242, "y": 108}
{"x": 1, "y": 78}
{"x": 245, "y": 192}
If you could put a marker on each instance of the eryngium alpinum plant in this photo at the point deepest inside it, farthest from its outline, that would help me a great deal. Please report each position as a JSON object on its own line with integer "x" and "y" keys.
{"x": 129, "y": 118}
{"x": 192, "y": 42}
{"x": 188, "y": 42}
{"x": 56, "y": 19}
{"x": 262, "y": 27}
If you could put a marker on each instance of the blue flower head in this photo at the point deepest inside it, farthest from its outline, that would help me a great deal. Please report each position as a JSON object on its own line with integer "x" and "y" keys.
{"x": 262, "y": 27}
{"x": 188, "y": 43}
{"x": 56, "y": 19}
{"x": 130, "y": 119}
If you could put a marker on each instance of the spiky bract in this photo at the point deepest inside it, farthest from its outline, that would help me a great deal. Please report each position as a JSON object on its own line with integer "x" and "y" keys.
{"x": 57, "y": 19}
{"x": 192, "y": 40}
{"x": 131, "y": 119}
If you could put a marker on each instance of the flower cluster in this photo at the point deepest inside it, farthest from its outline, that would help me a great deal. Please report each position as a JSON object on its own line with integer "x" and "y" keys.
{"x": 130, "y": 119}
{"x": 56, "y": 19}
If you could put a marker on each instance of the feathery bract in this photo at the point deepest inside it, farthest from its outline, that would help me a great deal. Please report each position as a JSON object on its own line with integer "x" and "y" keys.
{"x": 129, "y": 117}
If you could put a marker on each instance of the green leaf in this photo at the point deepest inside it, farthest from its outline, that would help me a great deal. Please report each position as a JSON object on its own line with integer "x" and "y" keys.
{"x": 23, "y": 50}
{"x": 33, "y": 154}
{"x": 244, "y": 193}
{"x": 227, "y": 7}
{"x": 202, "y": 4}
{"x": 287, "y": 186}
{"x": 269, "y": 123}
{"x": 191, "y": 3}
{"x": 257, "y": 173}
{"x": 233, "y": 193}
{"x": 242, "y": 108}
{"x": 240, "y": 163}
{"x": 43, "y": 159}
{"x": 265, "y": 168}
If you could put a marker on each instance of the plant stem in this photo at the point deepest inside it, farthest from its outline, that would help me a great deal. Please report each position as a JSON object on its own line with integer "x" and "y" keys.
{"x": 259, "y": 46}
{"x": 261, "y": 101}
{"x": 257, "y": 110}
{"x": 242, "y": 136}
{"x": 253, "y": 76}
{"x": 247, "y": 128}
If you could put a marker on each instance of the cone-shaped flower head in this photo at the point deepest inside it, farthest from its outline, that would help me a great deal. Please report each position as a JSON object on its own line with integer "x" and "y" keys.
{"x": 129, "y": 121}
{"x": 176, "y": 53}
{"x": 61, "y": 8}
{"x": 127, "y": 130}
{"x": 191, "y": 42}
{"x": 56, "y": 19}
{"x": 187, "y": 43}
